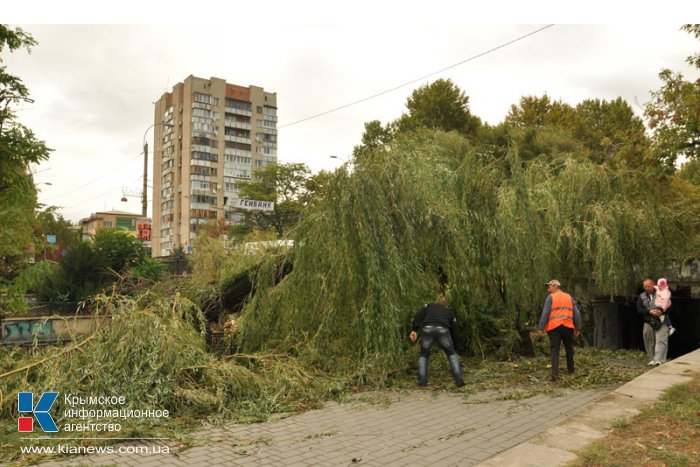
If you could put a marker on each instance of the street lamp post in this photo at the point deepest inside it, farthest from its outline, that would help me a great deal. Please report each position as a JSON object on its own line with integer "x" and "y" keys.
{"x": 144, "y": 197}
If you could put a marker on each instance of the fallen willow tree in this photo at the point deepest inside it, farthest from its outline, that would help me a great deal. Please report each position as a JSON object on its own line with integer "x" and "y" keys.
{"x": 405, "y": 220}
{"x": 153, "y": 355}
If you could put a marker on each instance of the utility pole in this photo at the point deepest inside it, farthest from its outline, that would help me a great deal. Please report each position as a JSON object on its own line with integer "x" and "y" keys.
{"x": 144, "y": 197}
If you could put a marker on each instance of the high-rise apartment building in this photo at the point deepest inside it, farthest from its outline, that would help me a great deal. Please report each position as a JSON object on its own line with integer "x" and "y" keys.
{"x": 209, "y": 134}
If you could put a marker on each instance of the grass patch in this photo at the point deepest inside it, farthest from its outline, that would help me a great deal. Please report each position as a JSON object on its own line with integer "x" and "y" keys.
{"x": 666, "y": 433}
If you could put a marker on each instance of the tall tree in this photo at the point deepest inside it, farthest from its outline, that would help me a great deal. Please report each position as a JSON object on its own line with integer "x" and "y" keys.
{"x": 374, "y": 137}
{"x": 537, "y": 112}
{"x": 611, "y": 131}
{"x": 18, "y": 148}
{"x": 440, "y": 105}
{"x": 605, "y": 131}
{"x": 18, "y": 145}
{"x": 49, "y": 222}
{"x": 285, "y": 185}
{"x": 674, "y": 112}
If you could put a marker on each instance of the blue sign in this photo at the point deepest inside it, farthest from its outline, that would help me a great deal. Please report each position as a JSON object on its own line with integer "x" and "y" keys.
{"x": 51, "y": 238}
{"x": 25, "y": 403}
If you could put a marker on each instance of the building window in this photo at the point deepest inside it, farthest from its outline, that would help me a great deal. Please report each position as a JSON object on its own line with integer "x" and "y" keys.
{"x": 240, "y": 105}
{"x": 204, "y": 199}
{"x": 235, "y": 145}
{"x": 107, "y": 224}
{"x": 205, "y": 98}
{"x": 205, "y": 156}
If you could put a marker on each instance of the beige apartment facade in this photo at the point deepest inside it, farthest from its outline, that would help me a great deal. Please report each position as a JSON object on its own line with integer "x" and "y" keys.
{"x": 128, "y": 222}
{"x": 209, "y": 134}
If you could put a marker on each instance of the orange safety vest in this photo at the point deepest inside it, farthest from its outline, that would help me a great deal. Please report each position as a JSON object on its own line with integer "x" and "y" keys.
{"x": 562, "y": 311}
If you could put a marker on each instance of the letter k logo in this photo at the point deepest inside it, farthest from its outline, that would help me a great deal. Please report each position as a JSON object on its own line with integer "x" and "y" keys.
{"x": 25, "y": 403}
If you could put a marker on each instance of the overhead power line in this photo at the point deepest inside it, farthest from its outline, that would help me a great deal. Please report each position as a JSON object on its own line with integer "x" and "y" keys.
{"x": 417, "y": 79}
{"x": 110, "y": 172}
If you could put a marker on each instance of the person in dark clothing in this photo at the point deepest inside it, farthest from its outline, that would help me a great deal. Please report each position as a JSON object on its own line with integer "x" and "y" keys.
{"x": 655, "y": 334}
{"x": 437, "y": 323}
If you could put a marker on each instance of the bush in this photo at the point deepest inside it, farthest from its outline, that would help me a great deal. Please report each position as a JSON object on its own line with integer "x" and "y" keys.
{"x": 150, "y": 269}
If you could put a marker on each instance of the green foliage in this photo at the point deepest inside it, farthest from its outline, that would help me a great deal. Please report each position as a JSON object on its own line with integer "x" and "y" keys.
{"x": 690, "y": 171}
{"x": 18, "y": 148}
{"x": 611, "y": 131}
{"x": 16, "y": 239}
{"x": 117, "y": 250}
{"x": 604, "y": 131}
{"x": 32, "y": 280}
{"x": 440, "y": 105}
{"x": 286, "y": 185}
{"x": 81, "y": 271}
{"x": 674, "y": 113}
{"x": 150, "y": 269}
{"x": 374, "y": 137}
{"x": 89, "y": 266}
{"x": 153, "y": 354}
{"x": 537, "y": 112}
{"x": 375, "y": 248}
{"x": 693, "y": 29}
{"x": 49, "y": 222}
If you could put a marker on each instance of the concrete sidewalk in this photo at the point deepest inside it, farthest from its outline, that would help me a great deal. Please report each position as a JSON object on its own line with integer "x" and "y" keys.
{"x": 422, "y": 428}
{"x": 558, "y": 445}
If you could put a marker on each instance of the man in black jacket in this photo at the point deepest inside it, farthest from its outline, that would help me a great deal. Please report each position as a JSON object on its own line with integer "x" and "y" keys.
{"x": 655, "y": 333}
{"x": 437, "y": 324}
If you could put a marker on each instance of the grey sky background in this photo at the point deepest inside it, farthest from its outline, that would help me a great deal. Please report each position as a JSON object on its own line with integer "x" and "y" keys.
{"x": 94, "y": 85}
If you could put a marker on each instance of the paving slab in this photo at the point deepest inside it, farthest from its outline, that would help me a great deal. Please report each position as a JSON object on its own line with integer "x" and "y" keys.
{"x": 531, "y": 455}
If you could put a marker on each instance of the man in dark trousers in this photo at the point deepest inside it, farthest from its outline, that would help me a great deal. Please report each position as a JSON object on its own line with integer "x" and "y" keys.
{"x": 561, "y": 320}
{"x": 437, "y": 324}
{"x": 655, "y": 333}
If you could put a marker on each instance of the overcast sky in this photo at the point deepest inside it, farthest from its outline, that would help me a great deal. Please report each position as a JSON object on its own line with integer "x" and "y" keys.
{"x": 94, "y": 86}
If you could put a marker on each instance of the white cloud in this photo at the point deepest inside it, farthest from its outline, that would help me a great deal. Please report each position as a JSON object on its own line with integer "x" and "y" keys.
{"x": 94, "y": 86}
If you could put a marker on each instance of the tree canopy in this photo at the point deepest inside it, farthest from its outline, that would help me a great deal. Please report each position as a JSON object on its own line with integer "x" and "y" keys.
{"x": 284, "y": 184}
{"x": 432, "y": 207}
{"x": 674, "y": 112}
{"x": 18, "y": 148}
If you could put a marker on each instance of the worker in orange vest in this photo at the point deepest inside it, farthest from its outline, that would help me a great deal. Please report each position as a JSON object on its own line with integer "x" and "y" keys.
{"x": 561, "y": 320}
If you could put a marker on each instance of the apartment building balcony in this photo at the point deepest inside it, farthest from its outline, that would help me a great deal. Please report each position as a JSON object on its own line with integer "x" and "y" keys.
{"x": 237, "y": 152}
{"x": 233, "y": 110}
{"x": 239, "y": 125}
{"x": 237, "y": 139}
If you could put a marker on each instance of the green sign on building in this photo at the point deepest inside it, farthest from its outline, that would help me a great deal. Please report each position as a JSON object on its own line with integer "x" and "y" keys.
{"x": 126, "y": 223}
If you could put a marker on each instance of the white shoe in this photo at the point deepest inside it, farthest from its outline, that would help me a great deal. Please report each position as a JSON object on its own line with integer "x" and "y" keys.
{"x": 652, "y": 363}
{"x": 671, "y": 330}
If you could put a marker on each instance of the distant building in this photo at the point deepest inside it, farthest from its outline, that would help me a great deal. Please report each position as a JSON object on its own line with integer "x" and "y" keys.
{"x": 208, "y": 135}
{"x": 133, "y": 224}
